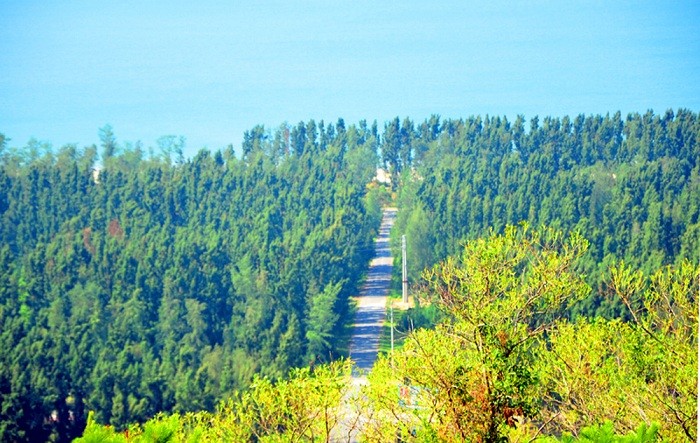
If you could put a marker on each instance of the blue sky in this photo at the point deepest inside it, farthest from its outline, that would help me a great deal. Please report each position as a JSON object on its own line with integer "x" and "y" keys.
{"x": 209, "y": 70}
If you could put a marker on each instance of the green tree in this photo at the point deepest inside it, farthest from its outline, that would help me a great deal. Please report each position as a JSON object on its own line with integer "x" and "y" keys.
{"x": 642, "y": 371}
{"x": 109, "y": 142}
{"x": 322, "y": 321}
{"x": 476, "y": 372}
{"x": 391, "y": 150}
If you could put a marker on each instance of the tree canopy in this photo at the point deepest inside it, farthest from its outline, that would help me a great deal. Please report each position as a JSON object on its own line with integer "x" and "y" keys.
{"x": 144, "y": 285}
{"x": 135, "y": 281}
{"x": 505, "y": 364}
{"x": 629, "y": 185}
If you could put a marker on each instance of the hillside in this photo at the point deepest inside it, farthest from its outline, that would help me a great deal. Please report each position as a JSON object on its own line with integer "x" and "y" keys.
{"x": 135, "y": 284}
{"x": 158, "y": 284}
{"x": 630, "y": 185}
{"x": 505, "y": 364}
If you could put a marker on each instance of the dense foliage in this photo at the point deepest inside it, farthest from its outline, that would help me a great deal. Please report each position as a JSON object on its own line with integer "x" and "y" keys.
{"x": 504, "y": 365}
{"x": 507, "y": 366}
{"x": 160, "y": 284}
{"x": 133, "y": 284}
{"x": 631, "y": 186}
{"x": 301, "y": 408}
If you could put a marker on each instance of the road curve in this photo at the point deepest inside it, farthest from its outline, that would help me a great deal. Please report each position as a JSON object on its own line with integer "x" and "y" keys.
{"x": 371, "y": 304}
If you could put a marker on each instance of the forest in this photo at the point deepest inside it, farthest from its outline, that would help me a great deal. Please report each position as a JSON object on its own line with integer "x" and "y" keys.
{"x": 504, "y": 365}
{"x": 630, "y": 186}
{"x": 135, "y": 285}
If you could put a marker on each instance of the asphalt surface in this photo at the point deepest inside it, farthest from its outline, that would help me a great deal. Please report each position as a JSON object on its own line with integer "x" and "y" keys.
{"x": 371, "y": 303}
{"x": 369, "y": 317}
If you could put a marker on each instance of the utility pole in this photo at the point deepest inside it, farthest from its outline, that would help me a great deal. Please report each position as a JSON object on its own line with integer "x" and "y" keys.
{"x": 405, "y": 277}
{"x": 391, "y": 310}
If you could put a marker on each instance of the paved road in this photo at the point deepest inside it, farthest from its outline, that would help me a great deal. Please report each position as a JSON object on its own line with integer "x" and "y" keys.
{"x": 370, "y": 315}
{"x": 371, "y": 304}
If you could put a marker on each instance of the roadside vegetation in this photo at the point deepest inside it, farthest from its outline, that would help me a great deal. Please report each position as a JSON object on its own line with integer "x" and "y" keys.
{"x": 136, "y": 283}
{"x": 504, "y": 364}
{"x": 554, "y": 266}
